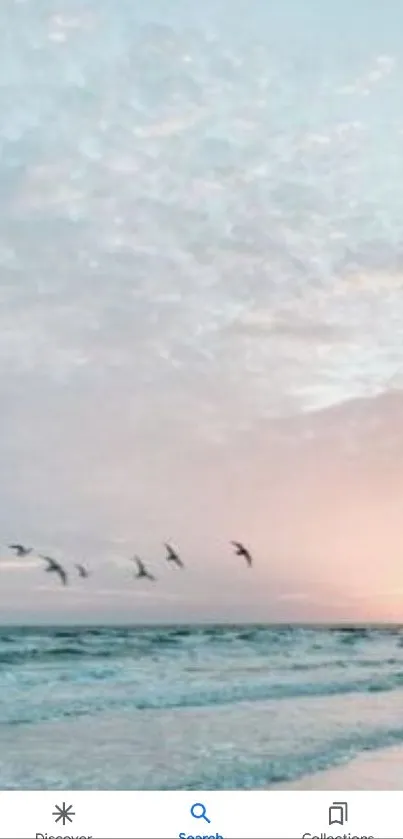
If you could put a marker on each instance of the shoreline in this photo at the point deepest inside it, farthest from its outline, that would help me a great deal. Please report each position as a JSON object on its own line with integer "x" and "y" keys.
{"x": 380, "y": 769}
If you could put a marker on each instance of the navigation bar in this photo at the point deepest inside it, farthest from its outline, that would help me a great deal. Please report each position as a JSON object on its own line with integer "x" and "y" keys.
{"x": 201, "y": 815}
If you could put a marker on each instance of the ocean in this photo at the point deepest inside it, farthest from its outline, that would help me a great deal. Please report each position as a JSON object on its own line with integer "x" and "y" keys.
{"x": 183, "y": 707}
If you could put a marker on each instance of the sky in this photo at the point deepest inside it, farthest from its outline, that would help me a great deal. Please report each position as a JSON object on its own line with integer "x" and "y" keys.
{"x": 201, "y": 309}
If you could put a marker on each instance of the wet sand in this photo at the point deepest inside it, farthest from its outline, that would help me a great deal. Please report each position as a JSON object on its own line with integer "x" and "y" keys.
{"x": 377, "y": 770}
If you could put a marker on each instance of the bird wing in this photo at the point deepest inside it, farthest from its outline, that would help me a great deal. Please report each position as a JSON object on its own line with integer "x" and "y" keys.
{"x": 51, "y": 562}
{"x": 16, "y": 547}
{"x": 238, "y": 545}
{"x": 173, "y": 556}
{"x": 61, "y": 572}
{"x": 140, "y": 564}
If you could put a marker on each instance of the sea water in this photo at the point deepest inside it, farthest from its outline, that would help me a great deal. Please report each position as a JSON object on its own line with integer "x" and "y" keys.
{"x": 202, "y": 707}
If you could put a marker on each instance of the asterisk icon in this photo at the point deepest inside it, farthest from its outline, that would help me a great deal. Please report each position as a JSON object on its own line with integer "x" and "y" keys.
{"x": 63, "y": 813}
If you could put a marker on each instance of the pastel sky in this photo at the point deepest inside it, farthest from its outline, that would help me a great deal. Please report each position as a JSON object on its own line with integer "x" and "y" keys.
{"x": 201, "y": 308}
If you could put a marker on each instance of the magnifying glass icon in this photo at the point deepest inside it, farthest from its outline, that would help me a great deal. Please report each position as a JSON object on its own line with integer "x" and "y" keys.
{"x": 198, "y": 811}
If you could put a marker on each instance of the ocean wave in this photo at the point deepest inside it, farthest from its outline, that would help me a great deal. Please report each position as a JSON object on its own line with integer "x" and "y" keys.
{"x": 271, "y": 703}
{"x": 59, "y": 673}
{"x": 128, "y": 640}
{"x": 16, "y": 657}
{"x": 198, "y": 698}
{"x": 290, "y": 767}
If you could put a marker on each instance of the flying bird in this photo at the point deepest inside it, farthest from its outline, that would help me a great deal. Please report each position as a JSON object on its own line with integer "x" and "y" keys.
{"x": 173, "y": 556}
{"x": 82, "y": 572}
{"x": 242, "y": 551}
{"x": 56, "y": 567}
{"x": 20, "y": 550}
{"x": 141, "y": 569}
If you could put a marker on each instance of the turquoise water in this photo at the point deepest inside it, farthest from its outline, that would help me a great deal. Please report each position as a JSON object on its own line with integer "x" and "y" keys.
{"x": 181, "y": 707}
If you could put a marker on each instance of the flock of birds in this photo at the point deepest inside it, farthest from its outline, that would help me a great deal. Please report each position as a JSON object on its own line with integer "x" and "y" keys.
{"x": 172, "y": 556}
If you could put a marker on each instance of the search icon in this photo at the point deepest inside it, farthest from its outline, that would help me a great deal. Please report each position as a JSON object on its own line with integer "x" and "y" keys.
{"x": 197, "y": 815}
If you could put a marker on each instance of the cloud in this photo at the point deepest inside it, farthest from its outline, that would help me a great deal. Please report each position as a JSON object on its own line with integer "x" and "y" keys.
{"x": 6, "y": 565}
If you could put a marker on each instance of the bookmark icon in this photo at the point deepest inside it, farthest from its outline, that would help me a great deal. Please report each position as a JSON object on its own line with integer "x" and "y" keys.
{"x": 338, "y": 812}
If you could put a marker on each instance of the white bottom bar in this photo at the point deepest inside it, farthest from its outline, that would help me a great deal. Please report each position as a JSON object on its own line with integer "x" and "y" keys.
{"x": 209, "y": 815}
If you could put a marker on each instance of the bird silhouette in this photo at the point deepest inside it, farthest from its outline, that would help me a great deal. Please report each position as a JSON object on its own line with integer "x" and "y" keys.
{"x": 173, "y": 556}
{"x": 82, "y": 572}
{"x": 54, "y": 566}
{"x": 242, "y": 551}
{"x": 20, "y": 550}
{"x": 142, "y": 570}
